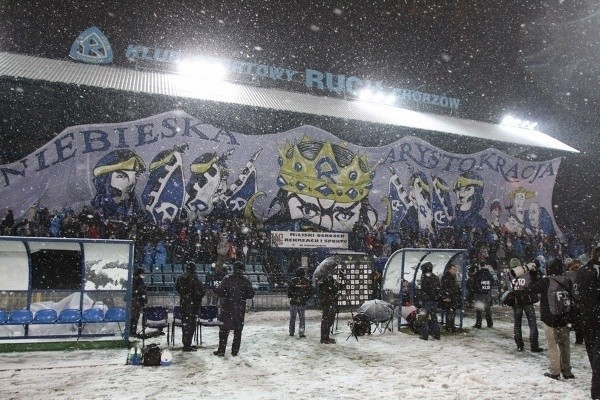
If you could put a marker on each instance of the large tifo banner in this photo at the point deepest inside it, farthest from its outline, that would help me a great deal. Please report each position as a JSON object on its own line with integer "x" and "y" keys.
{"x": 173, "y": 165}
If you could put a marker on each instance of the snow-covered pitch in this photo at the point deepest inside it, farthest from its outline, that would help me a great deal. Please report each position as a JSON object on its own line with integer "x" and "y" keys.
{"x": 476, "y": 364}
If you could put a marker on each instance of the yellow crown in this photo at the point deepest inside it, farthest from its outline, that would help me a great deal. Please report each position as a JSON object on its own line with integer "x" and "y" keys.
{"x": 325, "y": 171}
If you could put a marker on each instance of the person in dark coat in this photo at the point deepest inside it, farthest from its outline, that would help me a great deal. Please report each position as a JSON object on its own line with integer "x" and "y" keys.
{"x": 328, "y": 294}
{"x": 451, "y": 297}
{"x": 298, "y": 293}
{"x": 139, "y": 298}
{"x": 588, "y": 296}
{"x": 430, "y": 295}
{"x": 190, "y": 291}
{"x": 482, "y": 281}
{"x": 524, "y": 301}
{"x": 555, "y": 326}
{"x": 233, "y": 292}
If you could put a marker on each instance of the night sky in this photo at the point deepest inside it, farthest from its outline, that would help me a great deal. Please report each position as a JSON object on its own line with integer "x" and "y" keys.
{"x": 537, "y": 60}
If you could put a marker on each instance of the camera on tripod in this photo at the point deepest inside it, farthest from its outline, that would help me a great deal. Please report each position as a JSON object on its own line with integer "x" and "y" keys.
{"x": 521, "y": 270}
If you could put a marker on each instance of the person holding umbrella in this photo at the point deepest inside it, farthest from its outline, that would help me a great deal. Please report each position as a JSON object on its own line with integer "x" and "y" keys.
{"x": 328, "y": 294}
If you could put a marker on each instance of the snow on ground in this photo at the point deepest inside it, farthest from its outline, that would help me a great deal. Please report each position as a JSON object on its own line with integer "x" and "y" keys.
{"x": 477, "y": 364}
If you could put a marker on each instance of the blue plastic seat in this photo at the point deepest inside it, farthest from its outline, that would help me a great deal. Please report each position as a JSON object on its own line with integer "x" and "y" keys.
{"x": 115, "y": 315}
{"x": 20, "y": 317}
{"x": 3, "y": 317}
{"x": 48, "y": 316}
{"x": 69, "y": 316}
{"x": 92, "y": 315}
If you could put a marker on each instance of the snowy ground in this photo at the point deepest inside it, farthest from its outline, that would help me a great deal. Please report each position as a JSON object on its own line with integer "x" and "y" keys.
{"x": 482, "y": 364}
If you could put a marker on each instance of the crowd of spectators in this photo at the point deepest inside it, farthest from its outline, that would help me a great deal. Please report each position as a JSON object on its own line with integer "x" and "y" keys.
{"x": 216, "y": 239}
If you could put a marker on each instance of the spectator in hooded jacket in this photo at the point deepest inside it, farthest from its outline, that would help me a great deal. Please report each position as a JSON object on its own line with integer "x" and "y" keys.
{"x": 524, "y": 302}
{"x": 555, "y": 326}
{"x": 298, "y": 293}
{"x": 233, "y": 292}
{"x": 482, "y": 281}
{"x": 588, "y": 294}
{"x": 190, "y": 291}
{"x": 139, "y": 298}
{"x": 429, "y": 295}
{"x": 451, "y": 297}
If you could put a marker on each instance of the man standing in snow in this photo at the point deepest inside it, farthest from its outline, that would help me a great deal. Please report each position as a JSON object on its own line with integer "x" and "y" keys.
{"x": 430, "y": 295}
{"x": 555, "y": 326}
{"x": 233, "y": 291}
{"x": 588, "y": 292}
{"x": 451, "y": 297}
{"x": 190, "y": 291}
{"x": 524, "y": 302}
{"x": 482, "y": 295}
{"x": 298, "y": 293}
{"x": 328, "y": 294}
{"x": 139, "y": 298}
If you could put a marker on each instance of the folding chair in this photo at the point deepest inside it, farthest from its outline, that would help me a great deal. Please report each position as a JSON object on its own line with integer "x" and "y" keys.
{"x": 155, "y": 317}
{"x": 383, "y": 326}
{"x": 178, "y": 322}
{"x": 209, "y": 316}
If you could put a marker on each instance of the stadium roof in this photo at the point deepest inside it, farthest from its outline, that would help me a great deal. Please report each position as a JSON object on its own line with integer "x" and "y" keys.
{"x": 129, "y": 80}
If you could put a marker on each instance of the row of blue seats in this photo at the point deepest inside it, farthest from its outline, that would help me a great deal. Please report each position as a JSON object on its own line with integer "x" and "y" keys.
{"x": 200, "y": 268}
{"x": 66, "y": 316}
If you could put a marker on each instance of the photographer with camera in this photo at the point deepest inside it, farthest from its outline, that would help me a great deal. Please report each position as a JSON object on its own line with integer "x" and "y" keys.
{"x": 520, "y": 277}
{"x": 328, "y": 295}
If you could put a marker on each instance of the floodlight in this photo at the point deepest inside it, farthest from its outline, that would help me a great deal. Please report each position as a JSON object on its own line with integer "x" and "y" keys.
{"x": 201, "y": 69}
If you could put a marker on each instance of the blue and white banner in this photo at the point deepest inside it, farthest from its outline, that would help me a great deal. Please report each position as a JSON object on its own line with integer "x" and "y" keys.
{"x": 173, "y": 165}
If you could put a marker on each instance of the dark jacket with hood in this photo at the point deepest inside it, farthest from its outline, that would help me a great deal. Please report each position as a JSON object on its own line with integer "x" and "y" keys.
{"x": 541, "y": 286}
{"x": 430, "y": 284}
{"x": 299, "y": 288}
{"x": 450, "y": 290}
{"x": 234, "y": 290}
{"x": 190, "y": 291}
{"x": 588, "y": 294}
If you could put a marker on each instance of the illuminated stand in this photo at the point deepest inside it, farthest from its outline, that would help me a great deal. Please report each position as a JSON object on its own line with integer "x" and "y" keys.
{"x": 88, "y": 278}
{"x": 406, "y": 263}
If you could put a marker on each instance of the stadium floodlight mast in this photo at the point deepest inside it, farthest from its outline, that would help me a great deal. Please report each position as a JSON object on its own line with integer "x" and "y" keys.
{"x": 509, "y": 120}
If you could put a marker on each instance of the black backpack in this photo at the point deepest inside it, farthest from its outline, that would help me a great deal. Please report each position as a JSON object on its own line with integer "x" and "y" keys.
{"x": 151, "y": 355}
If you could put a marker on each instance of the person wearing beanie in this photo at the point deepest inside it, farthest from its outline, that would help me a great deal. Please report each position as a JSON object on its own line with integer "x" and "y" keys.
{"x": 588, "y": 287}
{"x": 233, "y": 292}
{"x": 552, "y": 288}
{"x": 190, "y": 291}
{"x": 430, "y": 296}
{"x": 139, "y": 298}
{"x": 298, "y": 293}
{"x": 524, "y": 301}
